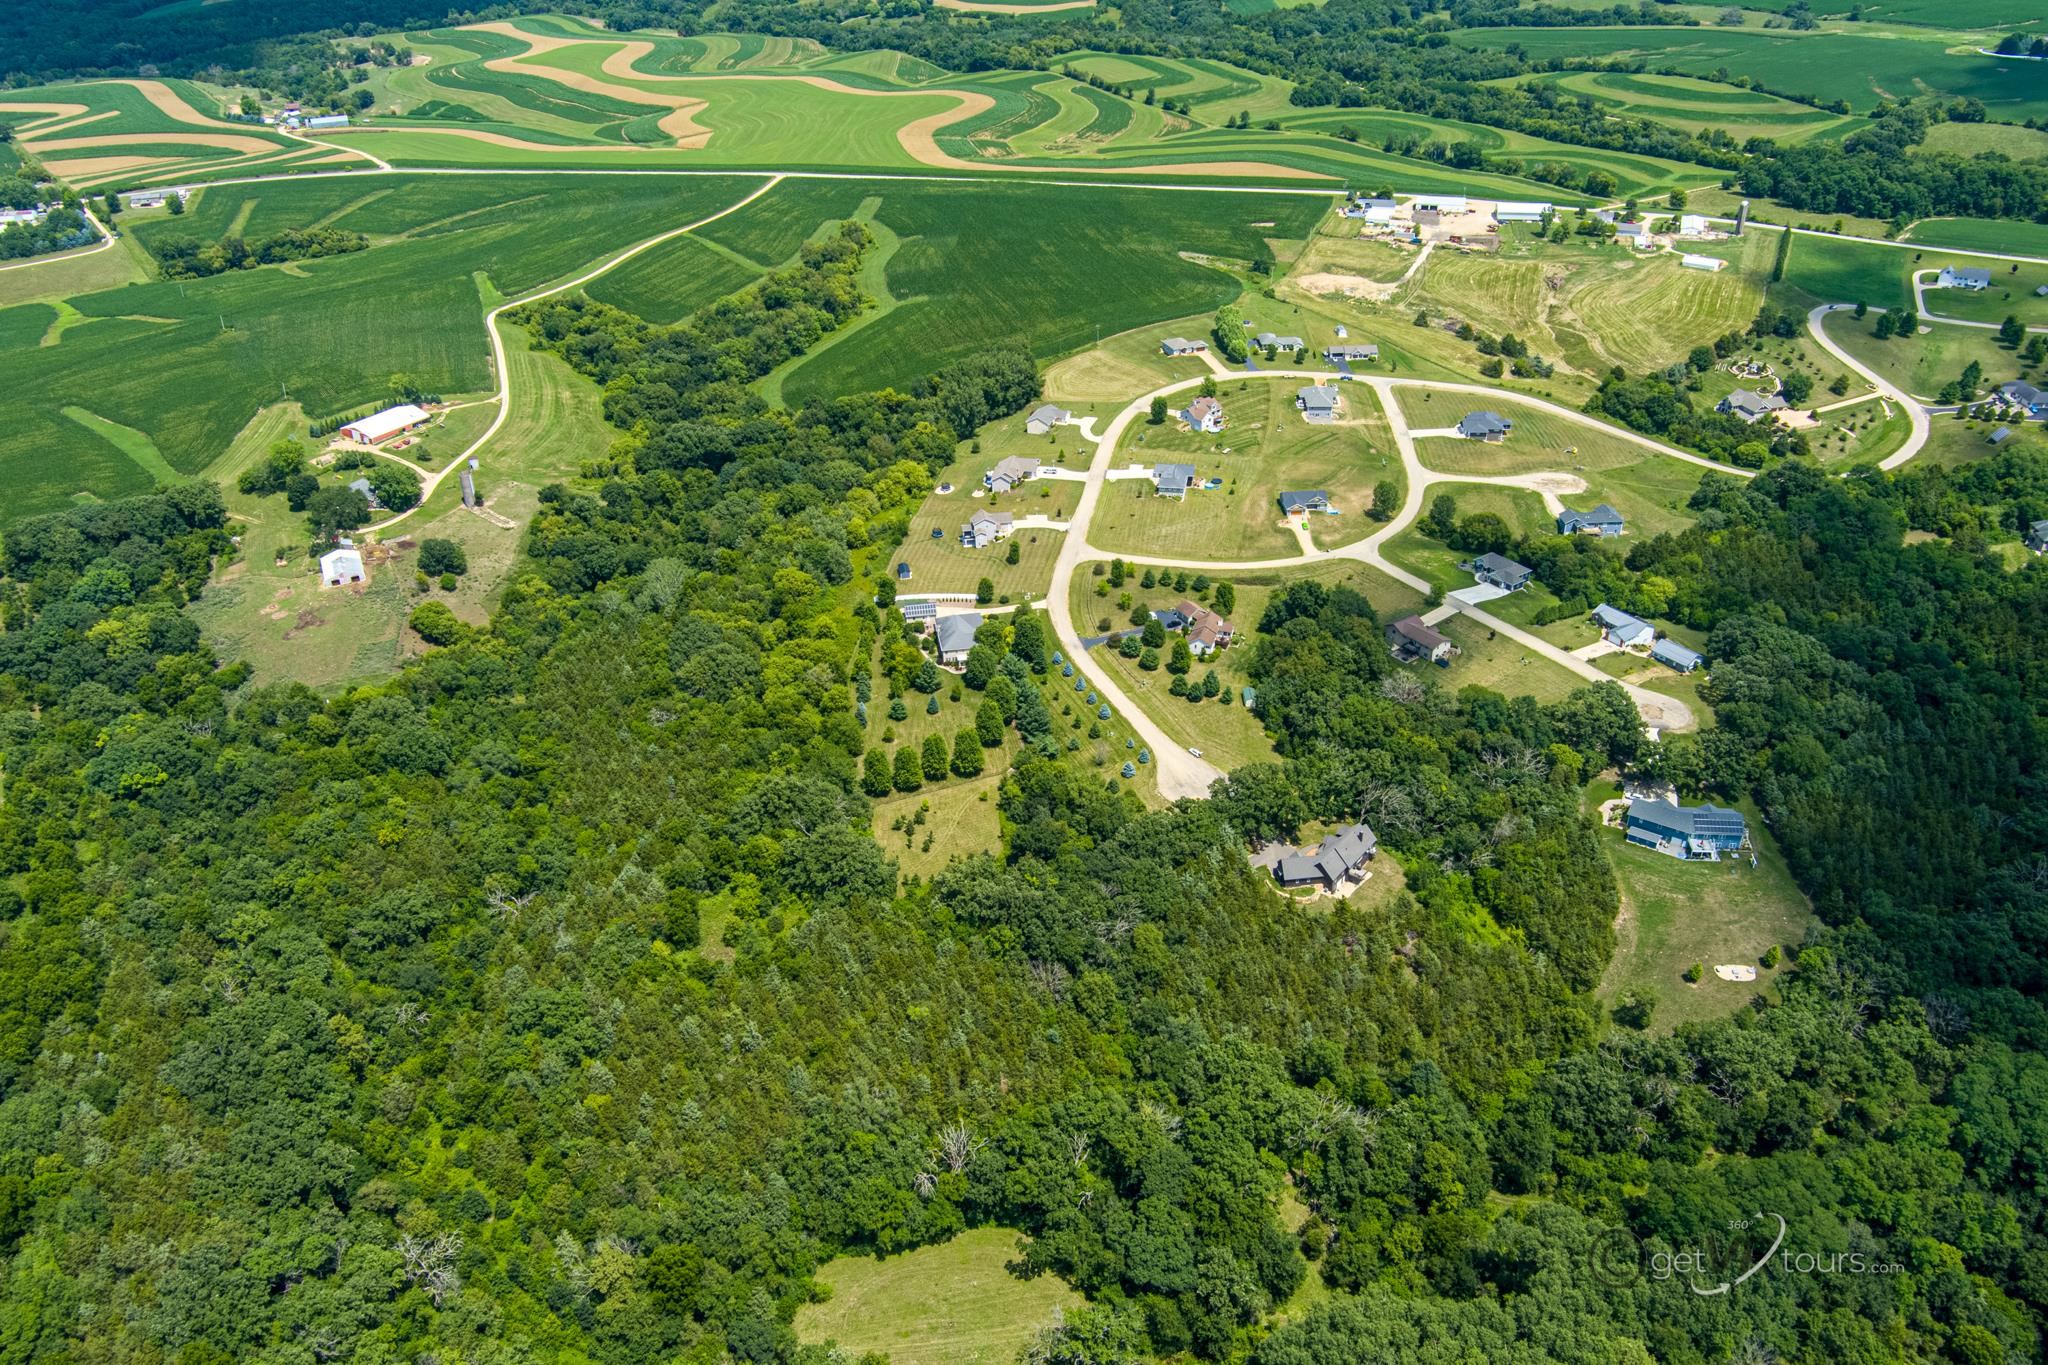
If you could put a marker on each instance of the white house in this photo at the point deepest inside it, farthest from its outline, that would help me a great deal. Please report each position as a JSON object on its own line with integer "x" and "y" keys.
{"x": 1204, "y": 414}
{"x": 1183, "y": 346}
{"x": 343, "y": 564}
{"x": 1692, "y": 262}
{"x": 1967, "y": 277}
{"x": 382, "y": 426}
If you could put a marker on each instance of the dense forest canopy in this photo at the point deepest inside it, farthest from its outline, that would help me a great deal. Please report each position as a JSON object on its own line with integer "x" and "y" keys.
{"x": 552, "y": 1001}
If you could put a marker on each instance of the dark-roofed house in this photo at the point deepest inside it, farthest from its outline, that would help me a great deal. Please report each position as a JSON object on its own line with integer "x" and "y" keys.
{"x": 1694, "y": 832}
{"x": 1668, "y": 651}
{"x": 1619, "y": 628}
{"x": 2023, "y": 395}
{"x": 1204, "y": 414}
{"x": 1963, "y": 277}
{"x": 1183, "y": 346}
{"x": 1366, "y": 352}
{"x": 1044, "y": 418}
{"x": 1411, "y": 638}
{"x": 1484, "y": 426}
{"x": 1334, "y": 861}
{"x": 1010, "y": 471}
{"x": 2037, "y": 537}
{"x": 919, "y": 614}
{"x": 1318, "y": 402}
{"x": 1172, "y": 480}
{"x": 1305, "y": 500}
{"x": 1207, "y": 632}
{"x": 902, "y": 572}
{"x": 984, "y": 529}
{"x": 1750, "y": 405}
{"x": 956, "y": 636}
{"x": 1501, "y": 572}
{"x": 1601, "y": 521}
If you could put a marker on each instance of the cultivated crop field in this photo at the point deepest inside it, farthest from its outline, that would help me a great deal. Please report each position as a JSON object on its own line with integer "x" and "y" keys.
{"x": 1697, "y": 106}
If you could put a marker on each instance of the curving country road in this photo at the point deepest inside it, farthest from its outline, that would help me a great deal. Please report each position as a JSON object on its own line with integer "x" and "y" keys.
{"x": 1920, "y": 287}
{"x": 1916, "y": 412}
{"x": 1180, "y": 773}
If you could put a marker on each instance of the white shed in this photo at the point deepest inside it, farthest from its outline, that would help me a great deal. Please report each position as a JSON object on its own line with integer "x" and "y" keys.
{"x": 1692, "y": 262}
{"x": 342, "y": 565}
{"x": 382, "y": 426}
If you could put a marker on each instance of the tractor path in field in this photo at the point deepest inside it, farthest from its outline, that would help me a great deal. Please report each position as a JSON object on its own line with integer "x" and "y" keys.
{"x": 1182, "y": 774}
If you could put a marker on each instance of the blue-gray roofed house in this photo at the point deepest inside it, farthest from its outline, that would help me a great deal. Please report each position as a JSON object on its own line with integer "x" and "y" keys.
{"x": 1701, "y": 832}
{"x": 1484, "y": 426}
{"x": 1669, "y": 651}
{"x": 1305, "y": 500}
{"x": 956, "y": 636}
{"x": 1601, "y": 521}
{"x": 1172, "y": 480}
{"x": 1335, "y": 860}
{"x": 1501, "y": 572}
{"x": 1622, "y": 629}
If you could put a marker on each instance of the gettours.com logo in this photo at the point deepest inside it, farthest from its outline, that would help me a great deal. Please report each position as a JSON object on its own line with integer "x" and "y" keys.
{"x": 1720, "y": 1263}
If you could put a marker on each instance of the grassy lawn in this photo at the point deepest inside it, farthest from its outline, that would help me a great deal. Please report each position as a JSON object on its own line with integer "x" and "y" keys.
{"x": 1119, "y": 368}
{"x": 951, "y": 1304}
{"x": 1922, "y": 364}
{"x": 1266, "y": 450}
{"x": 1490, "y": 661}
{"x": 1675, "y": 913}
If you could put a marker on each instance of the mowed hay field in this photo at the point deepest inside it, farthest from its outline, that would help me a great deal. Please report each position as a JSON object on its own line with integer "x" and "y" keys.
{"x": 187, "y": 362}
{"x": 1697, "y": 106}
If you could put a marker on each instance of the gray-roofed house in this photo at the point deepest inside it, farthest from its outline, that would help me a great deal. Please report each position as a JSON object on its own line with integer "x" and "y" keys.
{"x": 2037, "y": 538}
{"x": 1045, "y": 417}
{"x": 1277, "y": 342}
{"x": 370, "y": 494}
{"x": 956, "y": 636}
{"x": 920, "y": 614}
{"x": 1304, "y": 500}
{"x": 1691, "y": 832}
{"x": 1318, "y": 402}
{"x": 1010, "y": 471}
{"x": 1412, "y": 638}
{"x": 1183, "y": 346}
{"x": 1172, "y": 480}
{"x": 1750, "y": 405}
{"x": 1965, "y": 277}
{"x": 1484, "y": 426}
{"x": 1601, "y": 521}
{"x": 1669, "y": 651}
{"x": 1501, "y": 572}
{"x": 984, "y": 529}
{"x": 1204, "y": 414}
{"x": 1366, "y": 353}
{"x": 2021, "y": 394}
{"x": 1334, "y": 861}
{"x": 1619, "y": 628}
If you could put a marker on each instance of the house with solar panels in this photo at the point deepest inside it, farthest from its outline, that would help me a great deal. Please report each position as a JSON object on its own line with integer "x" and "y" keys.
{"x": 1695, "y": 833}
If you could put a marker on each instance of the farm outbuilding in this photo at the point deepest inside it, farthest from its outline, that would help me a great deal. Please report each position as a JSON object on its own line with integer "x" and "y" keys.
{"x": 382, "y": 426}
{"x": 341, "y": 565}
{"x": 1693, "y": 262}
{"x": 1519, "y": 211}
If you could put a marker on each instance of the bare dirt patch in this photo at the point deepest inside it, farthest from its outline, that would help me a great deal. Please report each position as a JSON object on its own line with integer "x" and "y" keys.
{"x": 1330, "y": 282}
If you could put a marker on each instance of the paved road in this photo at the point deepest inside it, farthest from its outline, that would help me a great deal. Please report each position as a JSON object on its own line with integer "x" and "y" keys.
{"x": 1180, "y": 773}
{"x": 1916, "y": 412}
{"x": 504, "y": 394}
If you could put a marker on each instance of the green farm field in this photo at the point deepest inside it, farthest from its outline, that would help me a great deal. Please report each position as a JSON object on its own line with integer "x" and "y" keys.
{"x": 1266, "y": 450}
{"x": 1697, "y": 106}
{"x": 1826, "y": 65}
{"x": 2001, "y": 235}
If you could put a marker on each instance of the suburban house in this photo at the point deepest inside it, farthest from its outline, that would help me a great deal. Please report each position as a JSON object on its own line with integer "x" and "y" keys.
{"x": 1694, "y": 225}
{"x": 1695, "y": 262}
{"x": 1501, "y": 572}
{"x": 1204, "y": 414}
{"x": 1172, "y": 480}
{"x": 341, "y": 565}
{"x": 2037, "y": 537}
{"x": 1183, "y": 346}
{"x": 1305, "y": 500}
{"x": 1750, "y": 405}
{"x": 1206, "y": 631}
{"x": 1694, "y": 832}
{"x": 1045, "y": 417}
{"x": 1669, "y": 651}
{"x": 956, "y": 636}
{"x": 1337, "y": 355}
{"x": 921, "y": 614}
{"x": 382, "y": 426}
{"x": 1279, "y": 343}
{"x": 1601, "y": 521}
{"x": 1967, "y": 277}
{"x": 1519, "y": 211}
{"x": 1617, "y": 627}
{"x": 1334, "y": 861}
{"x": 1010, "y": 471}
{"x": 369, "y": 494}
{"x": 1318, "y": 402}
{"x": 1484, "y": 426}
{"x": 1411, "y": 639}
{"x": 2023, "y": 395}
{"x": 984, "y": 529}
